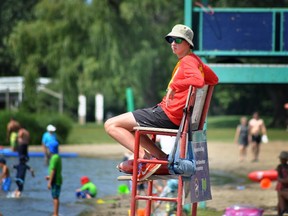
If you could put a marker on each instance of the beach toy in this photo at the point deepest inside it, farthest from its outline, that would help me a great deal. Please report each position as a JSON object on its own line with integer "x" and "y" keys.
{"x": 265, "y": 183}
{"x": 100, "y": 201}
{"x": 243, "y": 210}
{"x": 123, "y": 189}
{"x": 140, "y": 212}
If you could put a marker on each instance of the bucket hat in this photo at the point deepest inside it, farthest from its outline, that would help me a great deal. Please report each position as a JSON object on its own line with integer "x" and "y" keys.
{"x": 51, "y": 128}
{"x": 182, "y": 31}
{"x": 283, "y": 155}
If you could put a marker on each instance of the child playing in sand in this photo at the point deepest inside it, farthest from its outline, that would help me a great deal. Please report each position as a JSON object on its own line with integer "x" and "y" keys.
{"x": 88, "y": 189}
{"x": 282, "y": 183}
{"x": 21, "y": 172}
{"x": 5, "y": 176}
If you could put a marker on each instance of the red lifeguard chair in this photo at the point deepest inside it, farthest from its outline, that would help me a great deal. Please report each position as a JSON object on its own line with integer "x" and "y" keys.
{"x": 194, "y": 116}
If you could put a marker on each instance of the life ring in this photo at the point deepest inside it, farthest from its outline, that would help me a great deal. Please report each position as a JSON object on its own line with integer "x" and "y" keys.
{"x": 257, "y": 176}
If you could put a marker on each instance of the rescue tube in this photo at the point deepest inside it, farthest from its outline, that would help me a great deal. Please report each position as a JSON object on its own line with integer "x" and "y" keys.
{"x": 257, "y": 176}
{"x": 127, "y": 167}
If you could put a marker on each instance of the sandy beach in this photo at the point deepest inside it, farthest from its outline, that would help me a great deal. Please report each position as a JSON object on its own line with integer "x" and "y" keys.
{"x": 222, "y": 157}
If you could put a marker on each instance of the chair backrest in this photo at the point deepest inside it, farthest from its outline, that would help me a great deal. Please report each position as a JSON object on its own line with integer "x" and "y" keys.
{"x": 197, "y": 113}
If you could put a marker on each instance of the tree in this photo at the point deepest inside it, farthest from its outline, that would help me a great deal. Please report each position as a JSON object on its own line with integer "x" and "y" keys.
{"x": 106, "y": 51}
{"x": 107, "y": 46}
{"x": 11, "y": 12}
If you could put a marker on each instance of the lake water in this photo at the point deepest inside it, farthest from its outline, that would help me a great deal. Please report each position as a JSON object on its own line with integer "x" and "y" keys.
{"x": 36, "y": 199}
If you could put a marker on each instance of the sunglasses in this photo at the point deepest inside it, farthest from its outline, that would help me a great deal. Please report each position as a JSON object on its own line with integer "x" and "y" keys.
{"x": 177, "y": 40}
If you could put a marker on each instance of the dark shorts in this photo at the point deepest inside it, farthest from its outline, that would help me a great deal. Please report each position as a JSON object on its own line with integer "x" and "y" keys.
{"x": 55, "y": 191}
{"x": 256, "y": 139}
{"x": 153, "y": 117}
{"x": 83, "y": 194}
{"x": 243, "y": 141}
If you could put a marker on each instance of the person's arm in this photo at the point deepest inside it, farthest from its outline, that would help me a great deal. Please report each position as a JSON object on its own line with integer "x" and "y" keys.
{"x": 278, "y": 169}
{"x": 43, "y": 142}
{"x": 263, "y": 128}
{"x": 50, "y": 179}
{"x": 84, "y": 187}
{"x": 32, "y": 172}
{"x": 4, "y": 172}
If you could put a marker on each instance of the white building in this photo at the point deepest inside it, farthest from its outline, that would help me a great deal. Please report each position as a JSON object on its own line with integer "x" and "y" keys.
{"x": 11, "y": 90}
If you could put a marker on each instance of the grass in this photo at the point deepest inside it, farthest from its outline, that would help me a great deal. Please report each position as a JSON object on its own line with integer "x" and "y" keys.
{"x": 89, "y": 134}
{"x": 220, "y": 128}
{"x": 208, "y": 212}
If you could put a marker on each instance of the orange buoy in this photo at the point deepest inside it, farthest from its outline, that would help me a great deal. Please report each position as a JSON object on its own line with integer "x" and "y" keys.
{"x": 265, "y": 183}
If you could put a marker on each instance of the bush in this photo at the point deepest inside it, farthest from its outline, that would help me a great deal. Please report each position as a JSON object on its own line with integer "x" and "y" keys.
{"x": 36, "y": 124}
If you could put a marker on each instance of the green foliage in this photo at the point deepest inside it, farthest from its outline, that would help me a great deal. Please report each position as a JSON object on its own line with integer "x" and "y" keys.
{"x": 12, "y": 11}
{"x": 36, "y": 125}
{"x": 103, "y": 52}
{"x": 108, "y": 46}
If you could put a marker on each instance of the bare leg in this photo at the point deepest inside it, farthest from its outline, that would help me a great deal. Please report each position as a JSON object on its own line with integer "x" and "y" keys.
{"x": 282, "y": 200}
{"x": 121, "y": 127}
{"x": 255, "y": 150}
{"x": 56, "y": 206}
{"x": 242, "y": 153}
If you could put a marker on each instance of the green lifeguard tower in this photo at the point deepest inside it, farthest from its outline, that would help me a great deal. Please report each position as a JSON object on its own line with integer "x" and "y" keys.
{"x": 241, "y": 32}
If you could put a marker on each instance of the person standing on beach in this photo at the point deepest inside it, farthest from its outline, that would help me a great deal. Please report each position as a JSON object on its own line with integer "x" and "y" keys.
{"x": 241, "y": 137}
{"x": 282, "y": 183}
{"x": 55, "y": 176}
{"x": 21, "y": 173}
{"x": 256, "y": 130}
{"x": 189, "y": 70}
{"x": 5, "y": 179}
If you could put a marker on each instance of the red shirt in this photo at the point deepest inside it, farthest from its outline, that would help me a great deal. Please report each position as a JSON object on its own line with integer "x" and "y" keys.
{"x": 190, "y": 70}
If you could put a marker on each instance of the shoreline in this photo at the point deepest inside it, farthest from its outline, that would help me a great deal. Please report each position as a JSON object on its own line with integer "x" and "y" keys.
{"x": 223, "y": 157}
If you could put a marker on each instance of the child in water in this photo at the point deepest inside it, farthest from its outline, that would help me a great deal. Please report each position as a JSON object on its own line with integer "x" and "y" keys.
{"x": 55, "y": 176}
{"x": 88, "y": 189}
{"x": 5, "y": 179}
{"x": 21, "y": 173}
